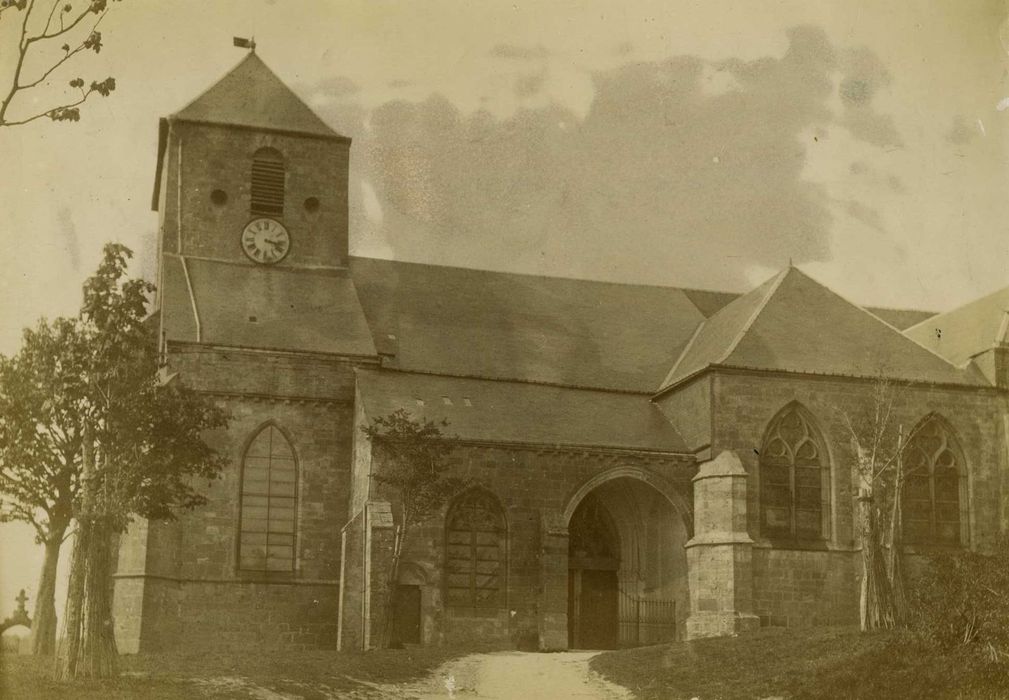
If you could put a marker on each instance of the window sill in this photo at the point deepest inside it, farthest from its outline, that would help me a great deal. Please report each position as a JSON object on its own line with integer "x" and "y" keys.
{"x": 802, "y": 545}
{"x": 257, "y": 575}
{"x": 473, "y": 611}
{"x": 933, "y": 548}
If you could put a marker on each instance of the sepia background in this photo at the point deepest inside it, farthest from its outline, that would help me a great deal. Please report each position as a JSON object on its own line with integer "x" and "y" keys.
{"x": 691, "y": 144}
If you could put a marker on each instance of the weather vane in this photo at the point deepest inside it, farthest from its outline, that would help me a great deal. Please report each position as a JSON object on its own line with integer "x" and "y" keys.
{"x": 244, "y": 43}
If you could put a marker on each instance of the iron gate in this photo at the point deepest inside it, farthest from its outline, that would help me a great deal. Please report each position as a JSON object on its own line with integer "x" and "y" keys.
{"x": 645, "y": 621}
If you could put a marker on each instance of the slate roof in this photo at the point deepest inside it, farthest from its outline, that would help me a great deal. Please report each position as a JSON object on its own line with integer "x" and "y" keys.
{"x": 792, "y": 322}
{"x": 965, "y": 331}
{"x": 468, "y": 322}
{"x": 901, "y": 319}
{"x": 512, "y": 412}
{"x": 251, "y": 95}
{"x": 293, "y": 309}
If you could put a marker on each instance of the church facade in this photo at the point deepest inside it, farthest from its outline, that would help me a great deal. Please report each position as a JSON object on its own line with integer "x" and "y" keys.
{"x": 644, "y": 463}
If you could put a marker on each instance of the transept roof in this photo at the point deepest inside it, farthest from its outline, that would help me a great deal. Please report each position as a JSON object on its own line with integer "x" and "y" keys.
{"x": 793, "y": 323}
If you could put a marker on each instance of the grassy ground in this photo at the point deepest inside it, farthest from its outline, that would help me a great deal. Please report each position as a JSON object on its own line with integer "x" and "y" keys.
{"x": 815, "y": 664}
{"x": 313, "y": 675}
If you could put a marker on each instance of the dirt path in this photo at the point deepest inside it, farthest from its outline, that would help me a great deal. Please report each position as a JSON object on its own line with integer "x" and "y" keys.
{"x": 520, "y": 675}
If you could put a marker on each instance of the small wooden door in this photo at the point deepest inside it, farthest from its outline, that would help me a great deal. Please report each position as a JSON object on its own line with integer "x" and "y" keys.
{"x": 406, "y": 620}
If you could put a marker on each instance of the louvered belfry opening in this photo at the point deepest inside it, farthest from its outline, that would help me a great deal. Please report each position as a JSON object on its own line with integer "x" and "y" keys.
{"x": 267, "y": 195}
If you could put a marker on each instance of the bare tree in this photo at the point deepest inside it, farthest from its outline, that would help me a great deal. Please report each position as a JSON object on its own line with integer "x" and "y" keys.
{"x": 38, "y": 26}
{"x": 878, "y": 443}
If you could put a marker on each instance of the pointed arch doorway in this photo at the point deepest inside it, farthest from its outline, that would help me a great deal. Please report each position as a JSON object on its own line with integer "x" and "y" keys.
{"x": 593, "y": 589}
{"x": 627, "y": 569}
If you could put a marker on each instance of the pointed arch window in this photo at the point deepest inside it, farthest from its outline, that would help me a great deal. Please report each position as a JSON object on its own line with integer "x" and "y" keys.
{"x": 267, "y": 185}
{"x": 794, "y": 479}
{"x": 474, "y": 551}
{"x": 935, "y": 487}
{"x": 268, "y": 503}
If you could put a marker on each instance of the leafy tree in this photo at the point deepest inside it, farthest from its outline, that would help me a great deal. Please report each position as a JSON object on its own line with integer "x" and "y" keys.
{"x": 92, "y": 431}
{"x": 42, "y": 395}
{"x": 412, "y": 464}
{"x": 40, "y": 25}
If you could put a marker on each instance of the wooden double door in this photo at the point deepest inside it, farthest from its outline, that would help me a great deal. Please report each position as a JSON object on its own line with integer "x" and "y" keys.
{"x": 593, "y": 614}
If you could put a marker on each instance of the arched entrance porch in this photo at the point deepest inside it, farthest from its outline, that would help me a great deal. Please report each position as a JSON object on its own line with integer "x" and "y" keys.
{"x": 627, "y": 569}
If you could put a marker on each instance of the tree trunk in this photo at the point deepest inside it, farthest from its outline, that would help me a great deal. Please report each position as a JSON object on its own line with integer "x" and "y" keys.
{"x": 43, "y": 637}
{"x": 88, "y": 646}
{"x": 895, "y": 563}
{"x": 876, "y": 600}
{"x": 385, "y": 638}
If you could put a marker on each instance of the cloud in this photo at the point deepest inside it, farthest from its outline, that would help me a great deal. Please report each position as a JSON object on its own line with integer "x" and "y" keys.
{"x": 529, "y": 85}
{"x": 662, "y": 180}
{"x": 71, "y": 240}
{"x": 959, "y": 133}
{"x": 864, "y": 76}
{"x": 335, "y": 88}
{"x": 520, "y": 53}
{"x": 865, "y": 214}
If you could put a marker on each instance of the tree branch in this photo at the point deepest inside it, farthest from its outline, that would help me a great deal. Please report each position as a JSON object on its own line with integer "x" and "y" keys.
{"x": 55, "y": 110}
{"x": 59, "y": 112}
{"x": 64, "y": 29}
{"x": 56, "y": 65}
{"x": 22, "y": 51}
{"x": 52, "y": 11}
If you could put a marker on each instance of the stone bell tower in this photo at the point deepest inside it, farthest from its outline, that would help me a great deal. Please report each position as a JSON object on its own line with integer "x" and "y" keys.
{"x": 249, "y": 148}
{"x": 257, "y": 311}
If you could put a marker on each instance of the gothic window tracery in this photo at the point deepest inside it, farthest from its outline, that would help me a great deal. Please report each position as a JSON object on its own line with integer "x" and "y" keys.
{"x": 266, "y": 196}
{"x": 794, "y": 479}
{"x": 474, "y": 551}
{"x": 268, "y": 503}
{"x": 934, "y": 487}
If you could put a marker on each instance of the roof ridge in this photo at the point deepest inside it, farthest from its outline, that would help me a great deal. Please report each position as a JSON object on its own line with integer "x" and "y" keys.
{"x": 756, "y": 312}
{"x": 898, "y": 308}
{"x": 549, "y": 277}
{"x": 683, "y": 353}
{"x": 876, "y": 318}
{"x": 214, "y": 84}
{"x": 978, "y": 300}
{"x": 1002, "y": 335}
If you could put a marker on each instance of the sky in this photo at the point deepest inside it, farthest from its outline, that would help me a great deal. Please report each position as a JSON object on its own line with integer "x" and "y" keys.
{"x": 681, "y": 143}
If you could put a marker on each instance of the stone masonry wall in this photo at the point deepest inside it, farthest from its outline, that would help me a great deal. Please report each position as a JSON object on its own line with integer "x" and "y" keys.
{"x": 220, "y": 158}
{"x": 534, "y": 487}
{"x": 797, "y": 586}
{"x": 194, "y": 595}
{"x": 352, "y": 584}
{"x": 803, "y": 589}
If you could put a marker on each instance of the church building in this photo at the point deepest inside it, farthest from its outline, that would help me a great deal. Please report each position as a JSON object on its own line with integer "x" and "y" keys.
{"x": 644, "y": 463}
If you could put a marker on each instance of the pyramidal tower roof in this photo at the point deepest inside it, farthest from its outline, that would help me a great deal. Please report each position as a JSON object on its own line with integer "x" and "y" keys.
{"x": 794, "y": 323}
{"x": 251, "y": 95}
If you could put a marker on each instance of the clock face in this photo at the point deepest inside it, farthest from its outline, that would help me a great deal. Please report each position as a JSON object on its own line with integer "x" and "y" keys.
{"x": 265, "y": 241}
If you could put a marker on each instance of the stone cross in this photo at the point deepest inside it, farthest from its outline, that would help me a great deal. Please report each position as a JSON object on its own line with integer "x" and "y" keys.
{"x": 21, "y": 599}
